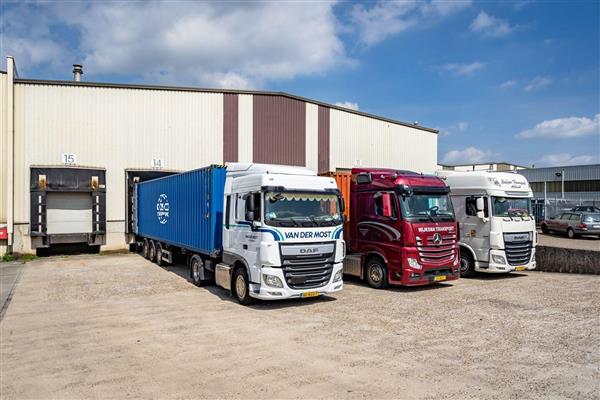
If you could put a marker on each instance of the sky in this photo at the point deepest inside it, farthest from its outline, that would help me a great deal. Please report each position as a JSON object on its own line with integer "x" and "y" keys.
{"x": 502, "y": 81}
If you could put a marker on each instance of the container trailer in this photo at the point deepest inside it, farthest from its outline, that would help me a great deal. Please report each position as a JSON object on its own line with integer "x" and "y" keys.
{"x": 261, "y": 231}
{"x": 497, "y": 227}
{"x": 400, "y": 227}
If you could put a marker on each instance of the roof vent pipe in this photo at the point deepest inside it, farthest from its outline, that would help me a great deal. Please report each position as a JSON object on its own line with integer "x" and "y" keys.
{"x": 77, "y": 72}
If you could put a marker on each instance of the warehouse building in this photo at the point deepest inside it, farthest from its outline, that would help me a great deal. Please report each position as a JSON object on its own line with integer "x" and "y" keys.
{"x": 71, "y": 150}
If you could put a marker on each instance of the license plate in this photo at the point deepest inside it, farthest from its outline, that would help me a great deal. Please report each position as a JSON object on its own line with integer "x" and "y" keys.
{"x": 439, "y": 278}
{"x": 520, "y": 268}
{"x": 595, "y": 226}
{"x": 310, "y": 294}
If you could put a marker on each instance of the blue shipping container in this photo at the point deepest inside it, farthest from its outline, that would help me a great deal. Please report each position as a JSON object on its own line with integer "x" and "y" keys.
{"x": 184, "y": 210}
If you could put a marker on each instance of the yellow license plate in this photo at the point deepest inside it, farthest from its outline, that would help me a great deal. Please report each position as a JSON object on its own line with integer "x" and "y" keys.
{"x": 310, "y": 294}
{"x": 439, "y": 278}
{"x": 520, "y": 268}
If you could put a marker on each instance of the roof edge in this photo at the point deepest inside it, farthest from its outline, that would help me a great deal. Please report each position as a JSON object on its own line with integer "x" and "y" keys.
{"x": 205, "y": 90}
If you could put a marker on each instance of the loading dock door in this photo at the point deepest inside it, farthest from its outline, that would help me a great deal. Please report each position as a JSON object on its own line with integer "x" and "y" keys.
{"x": 69, "y": 212}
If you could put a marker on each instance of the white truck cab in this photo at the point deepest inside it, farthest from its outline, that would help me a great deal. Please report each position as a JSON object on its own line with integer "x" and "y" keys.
{"x": 282, "y": 233}
{"x": 497, "y": 228}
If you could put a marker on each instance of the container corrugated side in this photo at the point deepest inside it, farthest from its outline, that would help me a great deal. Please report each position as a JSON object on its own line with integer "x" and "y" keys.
{"x": 184, "y": 210}
{"x": 343, "y": 180}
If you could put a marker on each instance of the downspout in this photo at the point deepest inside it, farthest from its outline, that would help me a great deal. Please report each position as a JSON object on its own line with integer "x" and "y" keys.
{"x": 10, "y": 186}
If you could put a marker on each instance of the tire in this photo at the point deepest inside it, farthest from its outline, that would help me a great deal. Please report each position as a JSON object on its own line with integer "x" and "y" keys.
{"x": 240, "y": 287}
{"x": 376, "y": 273}
{"x": 195, "y": 265}
{"x": 152, "y": 251}
{"x": 571, "y": 233}
{"x": 466, "y": 263}
{"x": 545, "y": 229}
{"x": 146, "y": 249}
{"x": 159, "y": 255}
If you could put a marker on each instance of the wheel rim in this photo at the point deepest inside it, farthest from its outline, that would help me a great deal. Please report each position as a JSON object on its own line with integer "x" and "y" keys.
{"x": 152, "y": 250}
{"x": 196, "y": 271}
{"x": 570, "y": 233}
{"x": 145, "y": 250}
{"x": 158, "y": 255}
{"x": 375, "y": 273}
{"x": 464, "y": 264}
{"x": 240, "y": 286}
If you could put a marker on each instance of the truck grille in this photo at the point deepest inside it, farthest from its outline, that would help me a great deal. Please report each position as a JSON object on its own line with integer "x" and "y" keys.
{"x": 307, "y": 271}
{"x": 443, "y": 252}
{"x": 518, "y": 252}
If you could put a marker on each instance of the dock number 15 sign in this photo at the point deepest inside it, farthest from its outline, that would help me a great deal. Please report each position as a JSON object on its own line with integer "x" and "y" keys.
{"x": 68, "y": 158}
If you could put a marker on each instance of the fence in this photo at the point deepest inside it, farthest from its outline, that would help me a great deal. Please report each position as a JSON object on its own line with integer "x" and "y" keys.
{"x": 543, "y": 208}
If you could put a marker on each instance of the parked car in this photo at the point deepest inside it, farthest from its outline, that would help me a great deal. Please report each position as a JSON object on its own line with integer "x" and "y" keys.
{"x": 573, "y": 224}
{"x": 591, "y": 209}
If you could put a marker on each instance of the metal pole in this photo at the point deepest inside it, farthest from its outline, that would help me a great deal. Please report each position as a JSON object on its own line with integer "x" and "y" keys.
{"x": 10, "y": 75}
{"x": 545, "y": 201}
{"x": 562, "y": 178}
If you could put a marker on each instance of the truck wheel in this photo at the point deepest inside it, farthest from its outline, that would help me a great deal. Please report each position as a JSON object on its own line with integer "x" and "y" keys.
{"x": 571, "y": 233}
{"x": 195, "y": 273}
{"x": 152, "y": 251}
{"x": 467, "y": 264}
{"x": 159, "y": 255}
{"x": 146, "y": 249}
{"x": 376, "y": 273}
{"x": 240, "y": 288}
{"x": 544, "y": 229}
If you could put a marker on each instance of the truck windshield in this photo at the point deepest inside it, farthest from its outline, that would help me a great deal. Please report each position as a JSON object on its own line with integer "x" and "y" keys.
{"x": 511, "y": 207}
{"x": 302, "y": 209}
{"x": 427, "y": 207}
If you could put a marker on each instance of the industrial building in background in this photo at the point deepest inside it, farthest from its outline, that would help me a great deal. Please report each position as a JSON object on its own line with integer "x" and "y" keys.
{"x": 491, "y": 166}
{"x": 70, "y": 151}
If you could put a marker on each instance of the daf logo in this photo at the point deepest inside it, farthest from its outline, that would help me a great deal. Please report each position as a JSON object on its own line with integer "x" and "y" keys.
{"x": 309, "y": 251}
{"x": 437, "y": 239}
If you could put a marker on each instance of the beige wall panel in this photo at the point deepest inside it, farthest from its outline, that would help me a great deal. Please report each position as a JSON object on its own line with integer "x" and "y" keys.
{"x": 245, "y": 134}
{"x": 378, "y": 143}
{"x": 3, "y": 148}
{"x": 312, "y": 136}
{"x": 115, "y": 129}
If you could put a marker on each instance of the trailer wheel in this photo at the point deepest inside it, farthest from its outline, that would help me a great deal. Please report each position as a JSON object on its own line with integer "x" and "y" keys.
{"x": 195, "y": 274}
{"x": 467, "y": 264}
{"x": 146, "y": 249}
{"x": 152, "y": 252}
{"x": 376, "y": 273}
{"x": 241, "y": 289}
{"x": 159, "y": 255}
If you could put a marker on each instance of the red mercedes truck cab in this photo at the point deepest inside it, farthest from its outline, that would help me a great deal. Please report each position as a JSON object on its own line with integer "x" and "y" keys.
{"x": 400, "y": 227}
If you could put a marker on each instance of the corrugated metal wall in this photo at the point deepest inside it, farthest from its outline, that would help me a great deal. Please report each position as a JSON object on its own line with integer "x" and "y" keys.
{"x": 279, "y": 130}
{"x": 324, "y": 137}
{"x": 116, "y": 129}
{"x": 230, "y": 127}
{"x": 379, "y": 143}
{"x": 572, "y": 173}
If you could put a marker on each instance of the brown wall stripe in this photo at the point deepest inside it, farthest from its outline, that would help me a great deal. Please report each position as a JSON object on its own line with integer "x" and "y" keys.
{"x": 279, "y": 130}
{"x": 323, "y": 139}
{"x": 230, "y": 127}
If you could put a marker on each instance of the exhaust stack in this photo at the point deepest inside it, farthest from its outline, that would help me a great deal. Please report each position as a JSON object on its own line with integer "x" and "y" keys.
{"x": 77, "y": 72}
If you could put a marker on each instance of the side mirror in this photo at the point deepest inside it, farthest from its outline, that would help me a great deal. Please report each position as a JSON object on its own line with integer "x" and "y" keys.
{"x": 249, "y": 215}
{"x": 250, "y": 206}
{"x": 387, "y": 204}
{"x": 342, "y": 205}
{"x": 479, "y": 203}
{"x": 480, "y": 215}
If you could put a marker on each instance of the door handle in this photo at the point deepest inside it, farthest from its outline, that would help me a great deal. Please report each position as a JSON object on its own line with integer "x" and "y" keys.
{"x": 245, "y": 247}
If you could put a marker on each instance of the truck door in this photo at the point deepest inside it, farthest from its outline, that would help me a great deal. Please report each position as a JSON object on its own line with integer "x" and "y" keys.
{"x": 474, "y": 230}
{"x": 242, "y": 239}
{"x": 377, "y": 223}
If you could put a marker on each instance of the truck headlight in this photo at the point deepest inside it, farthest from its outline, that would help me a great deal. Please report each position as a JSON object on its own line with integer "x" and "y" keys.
{"x": 498, "y": 259}
{"x": 413, "y": 263}
{"x": 272, "y": 280}
{"x": 338, "y": 276}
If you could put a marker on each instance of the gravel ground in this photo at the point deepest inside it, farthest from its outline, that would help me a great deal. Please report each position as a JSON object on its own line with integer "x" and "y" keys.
{"x": 579, "y": 243}
{"x": 118, "y": 326}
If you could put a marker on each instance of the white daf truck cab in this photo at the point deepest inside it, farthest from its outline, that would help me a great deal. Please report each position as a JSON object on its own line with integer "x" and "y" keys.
{"x": 282, "y": 233}
{"x": 496, "y": 225}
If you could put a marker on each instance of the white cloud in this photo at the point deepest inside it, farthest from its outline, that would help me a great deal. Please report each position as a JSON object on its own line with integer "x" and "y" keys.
{"x": 468, "y": 155}
{"x": 222, "y": 44}
{"x": 508, "y": 84}
{"x": 388, "y": 18}
{"x": 462, "y": 126}
{"x": 566, "y": 159}
{"x": 537, "y": 83}
{"x": 560, "y": 128}
{"x": 348, "y": 104}
{"x": 490, "y": 26}
{"x": 461, "y": 69}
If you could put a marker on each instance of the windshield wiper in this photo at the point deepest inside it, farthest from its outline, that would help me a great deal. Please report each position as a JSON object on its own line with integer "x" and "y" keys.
{"x": 304, "y": 218}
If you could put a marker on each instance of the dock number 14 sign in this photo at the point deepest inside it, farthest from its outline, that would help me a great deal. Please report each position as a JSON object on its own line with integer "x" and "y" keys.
{"x": 158, "y": 163}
